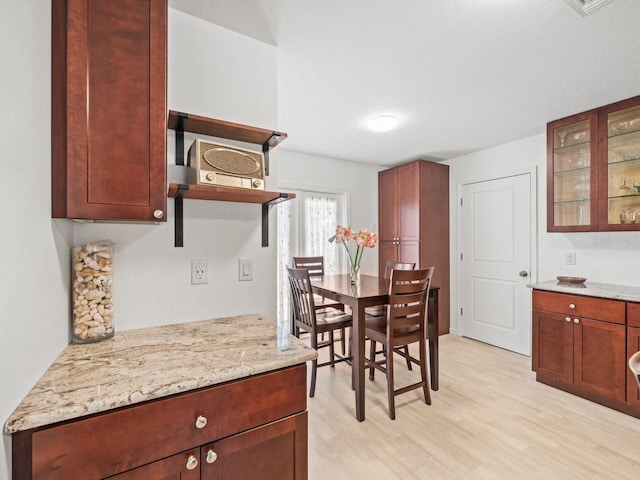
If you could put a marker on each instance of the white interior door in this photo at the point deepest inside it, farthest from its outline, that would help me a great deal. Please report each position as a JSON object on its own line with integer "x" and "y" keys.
{"x": 495, "y": 262}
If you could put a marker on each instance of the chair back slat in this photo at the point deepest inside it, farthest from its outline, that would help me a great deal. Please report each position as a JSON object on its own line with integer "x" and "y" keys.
{"x": 315, "y": 265}
{"x": 390, "y": 265}
{"x": 408, "y": 293}
{"x": 302, "y": 297}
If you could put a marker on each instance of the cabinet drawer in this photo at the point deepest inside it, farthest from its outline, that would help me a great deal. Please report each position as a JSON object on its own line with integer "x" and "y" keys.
{"x": 633, "y": 314}
{"x": 110, "y": 443}
{"x": 612, "y": 311}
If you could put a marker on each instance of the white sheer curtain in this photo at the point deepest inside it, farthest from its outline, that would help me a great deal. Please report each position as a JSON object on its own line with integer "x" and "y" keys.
{"x": 284, "y": 260}
{"x": 321, "y": 219}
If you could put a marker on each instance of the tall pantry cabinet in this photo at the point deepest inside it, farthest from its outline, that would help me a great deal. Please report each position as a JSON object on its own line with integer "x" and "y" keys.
{"x": 413, "y": 218}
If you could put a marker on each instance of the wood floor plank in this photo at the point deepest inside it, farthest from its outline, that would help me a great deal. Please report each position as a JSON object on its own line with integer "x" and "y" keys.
{"x": 490, "y": 419}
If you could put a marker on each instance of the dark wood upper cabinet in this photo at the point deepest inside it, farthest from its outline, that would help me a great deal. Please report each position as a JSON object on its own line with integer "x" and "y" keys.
{"x": 109, "y": 112}
{"x": 593, "y": 170}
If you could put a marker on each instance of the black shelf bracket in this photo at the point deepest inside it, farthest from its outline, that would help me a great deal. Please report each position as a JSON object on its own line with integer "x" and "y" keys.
{"x": 265, "y": 150}
{"x": 265, "y": 216}
{"x": 265, "y": 224}
{"x": 179, "y": 216}
{"x": 180, "y": 140}
{"x": 273, "y": 140}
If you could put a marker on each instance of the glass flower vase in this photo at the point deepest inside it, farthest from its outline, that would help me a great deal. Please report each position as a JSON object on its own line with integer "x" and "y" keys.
{"x": 355, "y": 275}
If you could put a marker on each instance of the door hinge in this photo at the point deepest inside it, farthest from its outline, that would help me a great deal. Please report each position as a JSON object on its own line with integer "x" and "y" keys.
{"x": 460, "y": 257}
{"x": 461, "y": 202}
{"x": 460, "y": 311}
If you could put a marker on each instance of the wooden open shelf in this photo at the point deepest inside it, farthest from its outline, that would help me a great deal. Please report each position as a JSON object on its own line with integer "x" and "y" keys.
{"x": 222, "y": 129}
{"x": 187, "y": 122}
{"x": 227, "y": 194}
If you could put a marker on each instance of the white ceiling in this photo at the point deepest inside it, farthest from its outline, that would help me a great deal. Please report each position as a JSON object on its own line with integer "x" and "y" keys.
{"x": 460, "y": 75}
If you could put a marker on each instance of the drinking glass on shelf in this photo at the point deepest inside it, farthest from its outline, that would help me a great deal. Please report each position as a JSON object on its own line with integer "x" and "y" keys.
{"x": 582, "y": 187}
{"x": 562, "y": 136}
{"x": 627, "y": 217}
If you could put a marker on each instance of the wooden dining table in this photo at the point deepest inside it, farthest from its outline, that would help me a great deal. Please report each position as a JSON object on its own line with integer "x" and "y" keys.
{"x": 372, "y": 291}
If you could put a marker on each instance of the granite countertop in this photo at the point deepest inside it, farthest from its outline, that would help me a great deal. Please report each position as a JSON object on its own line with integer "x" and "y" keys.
{"x": 590, "y": 289}
{"x": 139, "y": 365}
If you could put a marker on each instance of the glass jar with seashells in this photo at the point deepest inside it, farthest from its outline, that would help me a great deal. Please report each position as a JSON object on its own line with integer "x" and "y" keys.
{"x": 92, "y": 292}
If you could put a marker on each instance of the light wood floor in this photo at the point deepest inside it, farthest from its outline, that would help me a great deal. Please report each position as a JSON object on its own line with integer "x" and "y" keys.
{"x": 490, "y": 419}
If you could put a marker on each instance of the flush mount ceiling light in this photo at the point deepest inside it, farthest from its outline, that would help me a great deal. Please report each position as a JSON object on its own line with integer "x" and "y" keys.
{"x": 382, "y": 123}
{"x": 584, "y": 7}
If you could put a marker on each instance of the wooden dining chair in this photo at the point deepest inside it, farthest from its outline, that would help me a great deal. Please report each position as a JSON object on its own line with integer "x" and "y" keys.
{"x": 307, "y": 318}
{"x": 381, "y": 310}
{"x": 315, "y": 267}
{"x": 404, "y": 324}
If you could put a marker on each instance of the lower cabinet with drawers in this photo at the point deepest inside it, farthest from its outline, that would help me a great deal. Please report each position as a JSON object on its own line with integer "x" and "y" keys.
{"x": 251, "y": 428}
{"x": 581, "y": 344}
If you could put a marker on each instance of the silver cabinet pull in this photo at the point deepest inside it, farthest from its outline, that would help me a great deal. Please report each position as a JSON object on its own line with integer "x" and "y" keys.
{"x": 192, "y": 462}
{"x": 201, "y": 421}
{"x": 568, "y": 319}
{"x": 523, "y": 273}
{"x": 572, "y": 305}
{"x": 211, "y": 456}
{"x": 158, "y": 214}
{"x": 576, "y": 320}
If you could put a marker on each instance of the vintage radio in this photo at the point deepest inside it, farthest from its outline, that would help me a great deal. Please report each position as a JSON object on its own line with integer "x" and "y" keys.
{"x": 217, "y": 164}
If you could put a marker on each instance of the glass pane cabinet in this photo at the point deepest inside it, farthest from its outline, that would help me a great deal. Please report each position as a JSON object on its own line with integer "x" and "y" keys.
{"x": 572, "y": 160}
{"x": 593, "y": 170}
{"x": 621, "y": 174}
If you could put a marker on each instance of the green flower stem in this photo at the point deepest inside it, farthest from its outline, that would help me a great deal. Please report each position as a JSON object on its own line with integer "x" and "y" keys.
{"x": 348, "y": 254}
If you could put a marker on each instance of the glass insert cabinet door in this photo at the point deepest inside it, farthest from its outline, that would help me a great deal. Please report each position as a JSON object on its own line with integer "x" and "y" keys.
{"x": 621, "y": 172}
{"x": 572, "y": 157}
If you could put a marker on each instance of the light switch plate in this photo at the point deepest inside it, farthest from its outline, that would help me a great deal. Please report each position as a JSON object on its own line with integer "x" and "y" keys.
{"x": 245, "y": 269}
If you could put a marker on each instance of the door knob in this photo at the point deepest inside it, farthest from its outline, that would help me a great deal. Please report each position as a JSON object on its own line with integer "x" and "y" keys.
{"x": 523, "y": 273}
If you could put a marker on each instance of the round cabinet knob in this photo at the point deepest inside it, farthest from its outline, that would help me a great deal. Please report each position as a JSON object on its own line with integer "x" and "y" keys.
{"x": 211, "y": 456}
{"x": 523, "y": 273}
{"x": 572, "y": 305}
{"x": 568, "y": 319}
{"x": 158, "y": 213}
{"x": 210, "y": 176}
{"x": 192, "y": 462}
{"x": 257, "y": 183}
{"x": 576, "y": 320}
{"x": 201, "y": 422}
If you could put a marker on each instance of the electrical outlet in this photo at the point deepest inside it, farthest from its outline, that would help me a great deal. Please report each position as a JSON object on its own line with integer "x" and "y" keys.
{"x": 199, "y": 272}
{"x": 570, "y": 258}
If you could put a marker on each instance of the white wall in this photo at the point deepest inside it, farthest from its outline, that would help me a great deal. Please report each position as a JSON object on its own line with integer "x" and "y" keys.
{"x": 34, "y": 249}
{"x": 323, "y": 174}
{"x": 601, "y": 257}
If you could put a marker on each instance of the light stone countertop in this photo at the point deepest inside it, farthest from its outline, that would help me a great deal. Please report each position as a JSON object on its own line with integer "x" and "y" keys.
{"x": 139, "y": 365}
{"x": 590, "y": 289}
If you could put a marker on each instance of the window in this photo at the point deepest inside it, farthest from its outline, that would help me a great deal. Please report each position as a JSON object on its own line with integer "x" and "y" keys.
{"x": 304, "y": 227}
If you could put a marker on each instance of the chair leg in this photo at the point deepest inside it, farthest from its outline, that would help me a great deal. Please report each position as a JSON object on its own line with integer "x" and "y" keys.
{"x": 390, "y": 384}
{"x": 343, "y": 340}
{"x": 423, "y": 372}
{"x": 406, "y": 352}
{"x": 332, "y": 353}
{"x": 312, "y": 387}
{"x": 372, "y": 357}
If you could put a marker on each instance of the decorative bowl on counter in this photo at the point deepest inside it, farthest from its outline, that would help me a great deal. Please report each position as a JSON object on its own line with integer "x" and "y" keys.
{"x": 572, "y": 280}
